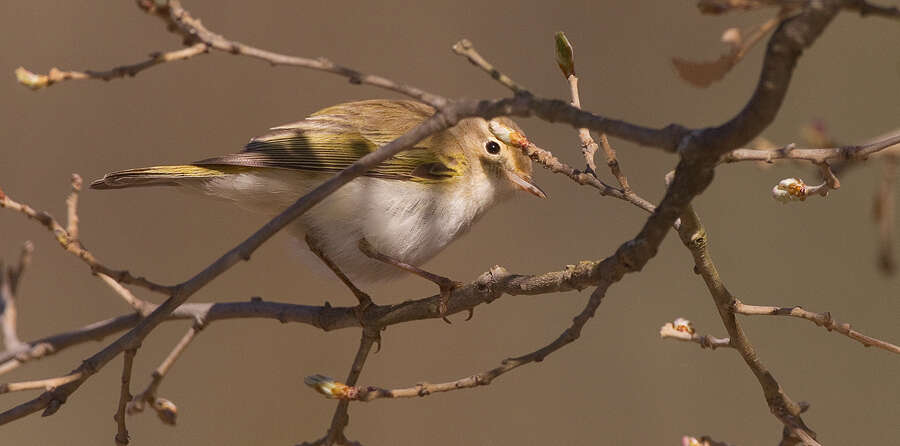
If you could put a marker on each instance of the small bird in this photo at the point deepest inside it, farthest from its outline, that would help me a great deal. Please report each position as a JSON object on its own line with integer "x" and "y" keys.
{"x": 407, "y": 208}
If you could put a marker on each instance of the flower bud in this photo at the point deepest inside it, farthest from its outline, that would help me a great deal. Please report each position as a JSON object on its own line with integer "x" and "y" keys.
{"x": 789, "y": 189}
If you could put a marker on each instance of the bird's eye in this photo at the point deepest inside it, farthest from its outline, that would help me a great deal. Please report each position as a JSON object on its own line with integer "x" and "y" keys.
{"x": 492, "y": 147}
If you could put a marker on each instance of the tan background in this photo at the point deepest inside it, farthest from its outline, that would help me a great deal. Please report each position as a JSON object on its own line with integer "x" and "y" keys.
{"x": 241, "y": 382}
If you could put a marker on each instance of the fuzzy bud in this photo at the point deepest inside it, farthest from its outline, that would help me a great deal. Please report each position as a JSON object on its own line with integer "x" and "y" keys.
{"x": 683, "y": 325}
{"x": 329, "y": 387}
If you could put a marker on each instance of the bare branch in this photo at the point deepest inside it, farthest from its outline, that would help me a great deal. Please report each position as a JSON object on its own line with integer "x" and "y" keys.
{"x": 38, "y": 81}
{"x": 699, "y": 150}
{"x": 369, "y": 393}
{"x": 180, "y": 21}
{"x": 10, "y": 278}
{"x": 883, "y": 214}
{"x": 72, "y": 208}
{"x": 124, "y": 397}
{"x": 552, "y": 163}
{"x": 693, "y": 236}
{"x": 464, "y": 48}
{"x": 817, "y": 156}
{"x": 74, "y": 247}
{"x": 162, "y": 406}
{"x": 141, "y": 306}
{"x": 866, "y": 9}
{"x": 820, "y": 319}
{"x": 46, "y": 384}
{"x": 341, "y": 418}
{"x": 565, "y": 58}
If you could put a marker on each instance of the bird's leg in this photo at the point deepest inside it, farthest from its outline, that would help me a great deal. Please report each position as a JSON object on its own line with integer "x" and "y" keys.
{"x": 446, "y": 285}
{"x": 364, "y": 300}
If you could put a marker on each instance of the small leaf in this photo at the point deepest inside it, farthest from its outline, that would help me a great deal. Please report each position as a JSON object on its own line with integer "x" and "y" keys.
{"x": 703, "y": 74}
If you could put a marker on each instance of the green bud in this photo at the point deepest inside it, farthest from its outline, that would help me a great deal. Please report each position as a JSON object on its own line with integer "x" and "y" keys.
{"x": 564, "y": 55}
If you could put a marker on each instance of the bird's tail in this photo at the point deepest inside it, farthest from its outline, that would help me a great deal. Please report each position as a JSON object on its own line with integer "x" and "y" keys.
{"x": 163, "y": 176}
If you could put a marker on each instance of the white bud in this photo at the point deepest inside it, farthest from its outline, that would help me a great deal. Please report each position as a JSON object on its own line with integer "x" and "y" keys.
{"x": 683, "y": 325}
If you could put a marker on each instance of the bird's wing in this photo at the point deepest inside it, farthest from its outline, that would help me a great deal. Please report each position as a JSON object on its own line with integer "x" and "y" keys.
{"x": 331, "y": 140}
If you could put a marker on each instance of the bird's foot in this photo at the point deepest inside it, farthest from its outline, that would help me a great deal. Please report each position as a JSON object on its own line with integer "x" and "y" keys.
{"x": 364, "y": 300}
{"x": 445, "y": 285}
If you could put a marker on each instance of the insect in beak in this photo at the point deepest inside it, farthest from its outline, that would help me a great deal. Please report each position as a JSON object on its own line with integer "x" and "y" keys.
{"x": 525, "y": 184}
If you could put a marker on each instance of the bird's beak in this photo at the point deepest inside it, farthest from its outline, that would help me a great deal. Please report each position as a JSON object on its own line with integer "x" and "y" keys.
{"x": 525, "y": 184}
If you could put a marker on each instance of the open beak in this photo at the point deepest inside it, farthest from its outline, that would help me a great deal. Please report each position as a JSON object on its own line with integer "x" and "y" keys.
{"x": 525, "y": 184}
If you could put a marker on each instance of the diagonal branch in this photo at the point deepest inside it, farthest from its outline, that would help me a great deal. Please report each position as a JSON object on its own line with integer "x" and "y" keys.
{"x": 821, "y": 319}
{"x": 693, "y": 236}
{"x": 74, "y": 247}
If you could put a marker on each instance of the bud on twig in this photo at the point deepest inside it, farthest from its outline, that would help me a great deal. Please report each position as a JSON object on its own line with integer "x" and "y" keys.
{"x": 565, "y": 57}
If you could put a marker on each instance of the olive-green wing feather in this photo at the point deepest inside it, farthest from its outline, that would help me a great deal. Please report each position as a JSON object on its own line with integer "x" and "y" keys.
{"x": 334, "y": 138}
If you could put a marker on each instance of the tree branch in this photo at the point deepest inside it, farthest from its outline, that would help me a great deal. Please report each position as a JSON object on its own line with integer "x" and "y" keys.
{"x": 164, "y": 408}
{"x": 349, "y": 392}
{"x": 37, "y": 81}
{"x": 73, "y": 246}
{"x": 124, "y": 398}
{"x": 10, "y": 278}
{"x": 820, "y": 319}
{"x": 817, "y": 156}
{"x": 700, "y": 151}
{"x": 693, "y": 236}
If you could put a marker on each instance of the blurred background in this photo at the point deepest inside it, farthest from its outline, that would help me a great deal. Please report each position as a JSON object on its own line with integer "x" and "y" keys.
{"x": 241, "y": 381}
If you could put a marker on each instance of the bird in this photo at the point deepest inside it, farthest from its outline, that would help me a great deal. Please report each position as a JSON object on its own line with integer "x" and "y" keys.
{"x": 396, "y": 216}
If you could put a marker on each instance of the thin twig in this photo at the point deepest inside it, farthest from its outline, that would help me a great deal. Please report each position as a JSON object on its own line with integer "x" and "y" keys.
{"x": 148, "y": 395}
{"x": 10, "y": 278}
{"x": 46, "y": 384}
{"x": 669, "y": 331}
{"x": 821, "y": 319}
{"x": 37, "y": 81}
{"x": 866, "y": 9}
{"x": 74, "y": 247}
{"x": 884, "y": 216}
{"x": 555, "y": 165}
{"x": 181, "y": 22}
{"x": 141, "y": 306}
{"x": 72, "y": 208}
{"x": 124, "y": 397}
{"x": 464, "y": 48}
{"x": 25, "y": 256}
{"x": 369, "y": 393}
{"x": 565, "y": 56}
{"x": 818, "y": 156}
{"x": 341, "y": 418}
